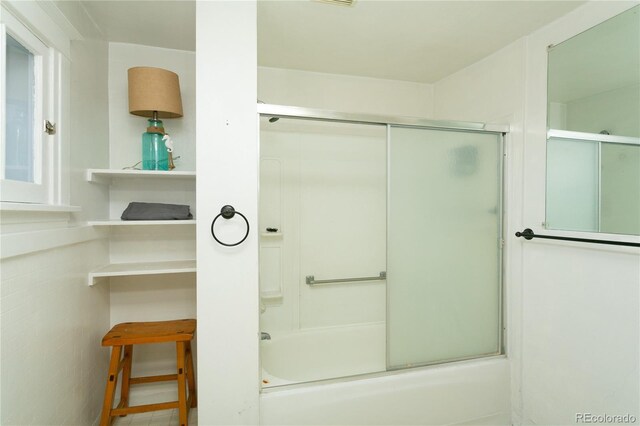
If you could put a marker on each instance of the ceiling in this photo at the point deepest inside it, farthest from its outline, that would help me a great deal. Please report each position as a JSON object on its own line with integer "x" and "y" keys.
{"x": 170, "y": 24}
{"x": 421, "y": 41}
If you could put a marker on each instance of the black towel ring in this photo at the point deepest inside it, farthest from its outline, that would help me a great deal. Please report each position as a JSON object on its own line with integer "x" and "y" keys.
{"x": 227, "y": 212}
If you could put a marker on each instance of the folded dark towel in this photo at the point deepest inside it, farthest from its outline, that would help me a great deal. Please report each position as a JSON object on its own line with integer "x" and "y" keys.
{"x": 156, "y": 211}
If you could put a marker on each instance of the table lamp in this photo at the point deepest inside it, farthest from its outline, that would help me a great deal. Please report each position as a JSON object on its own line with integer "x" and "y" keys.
{"x": 154, "y": 93}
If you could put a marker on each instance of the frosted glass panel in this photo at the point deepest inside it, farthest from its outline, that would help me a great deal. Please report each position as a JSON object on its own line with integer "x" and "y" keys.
{"x": 620, "y": 189}
{"x": 443, "y": 246}
{"x": 572, "y": 185}
{"x": 20, "y": 91}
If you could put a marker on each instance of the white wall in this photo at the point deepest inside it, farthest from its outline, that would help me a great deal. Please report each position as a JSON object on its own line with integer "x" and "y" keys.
{"x": 497, "y": 99}
{"x": 126, "y": 129}
{"x": 53, "y": 366}
{"x": 344, "y": 93}
{"x": 572, "y": 309}
{"x": 89, "y": 127}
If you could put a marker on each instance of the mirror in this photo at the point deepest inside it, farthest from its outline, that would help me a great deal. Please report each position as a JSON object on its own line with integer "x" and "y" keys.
{"x": 593, "y": 120}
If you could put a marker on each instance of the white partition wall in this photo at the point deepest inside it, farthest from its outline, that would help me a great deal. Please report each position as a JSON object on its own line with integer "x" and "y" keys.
{"x": 443, "y": 285}
{"x": 227, "y": 164}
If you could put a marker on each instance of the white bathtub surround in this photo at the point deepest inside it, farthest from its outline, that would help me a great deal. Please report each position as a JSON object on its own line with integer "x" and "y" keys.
{"x": 471, "y": 392}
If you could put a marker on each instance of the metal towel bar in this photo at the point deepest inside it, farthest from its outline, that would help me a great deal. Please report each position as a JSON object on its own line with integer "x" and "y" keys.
{"x": 311, "y": 279}
{"x": 528, "y": 234}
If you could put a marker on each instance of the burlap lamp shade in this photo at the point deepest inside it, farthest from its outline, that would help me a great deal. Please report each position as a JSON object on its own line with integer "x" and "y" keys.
{"x": 154, "y": 89}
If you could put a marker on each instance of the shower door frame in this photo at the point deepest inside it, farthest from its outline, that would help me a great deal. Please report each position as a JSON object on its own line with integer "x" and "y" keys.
{"x": 283, "y": 111}
{"x": 501, "y": 130}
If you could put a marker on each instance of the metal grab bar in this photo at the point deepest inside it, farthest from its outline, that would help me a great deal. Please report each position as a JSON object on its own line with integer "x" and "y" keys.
{"x": 311, "y": 280}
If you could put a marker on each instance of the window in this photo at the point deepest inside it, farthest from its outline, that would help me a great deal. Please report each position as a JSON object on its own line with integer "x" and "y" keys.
{"x": 26, "y": 101}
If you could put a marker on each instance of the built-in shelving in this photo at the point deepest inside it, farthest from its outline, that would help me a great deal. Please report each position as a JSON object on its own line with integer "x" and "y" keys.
{"x": 105, "y": 176}
{"x": 142, "y": 268}
{"x": 117, "y": 222}
{"x": 124, "y": 186}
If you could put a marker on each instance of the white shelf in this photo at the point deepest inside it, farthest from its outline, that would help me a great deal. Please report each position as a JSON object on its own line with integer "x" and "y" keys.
{"x": 118, "y": 222}
{"x": 105, "y": 176}
{"x": 142, "y": 268}
{"x": 271, "y": 234}
{"x": 271, "y": 295}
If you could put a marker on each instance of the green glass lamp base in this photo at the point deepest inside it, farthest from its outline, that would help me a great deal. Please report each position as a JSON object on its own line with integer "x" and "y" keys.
{"x": 154, "y": 152}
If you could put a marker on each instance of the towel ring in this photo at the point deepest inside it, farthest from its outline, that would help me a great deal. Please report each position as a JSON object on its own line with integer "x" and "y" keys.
{"x": 227, "y": 212}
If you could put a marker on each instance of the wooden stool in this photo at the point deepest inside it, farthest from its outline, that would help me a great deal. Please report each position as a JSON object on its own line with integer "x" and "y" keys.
{"x": 126, "y": 335}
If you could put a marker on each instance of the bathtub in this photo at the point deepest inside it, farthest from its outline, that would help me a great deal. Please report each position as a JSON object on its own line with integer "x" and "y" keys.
{"x": 326, "y": 353}
{"x": 466, "y": 392}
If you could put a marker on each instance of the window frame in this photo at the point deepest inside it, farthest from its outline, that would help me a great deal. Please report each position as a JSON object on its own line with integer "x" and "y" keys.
{"x": 39, "y": 191}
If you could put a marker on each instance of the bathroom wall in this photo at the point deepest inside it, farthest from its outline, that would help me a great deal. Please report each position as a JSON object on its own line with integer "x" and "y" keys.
{"x": 51, "y": 321}
{"x": 89, "y": 127}
{"x": 572, "y": 309}
{"x": 344, "y": 92}
{"x": 53, "y": 367}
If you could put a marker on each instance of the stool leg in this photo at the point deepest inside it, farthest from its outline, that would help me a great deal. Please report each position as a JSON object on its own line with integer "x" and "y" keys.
{"x": 191, "y": 377}
{"x": 182, "y": 388}
{"x": 126, "y": 377}
{"x": 112, "y": 380}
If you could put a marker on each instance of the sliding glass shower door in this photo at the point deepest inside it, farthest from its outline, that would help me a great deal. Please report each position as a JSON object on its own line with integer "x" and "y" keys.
{"x": 380, "y": 247}
{"x": 443, "y": 246}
